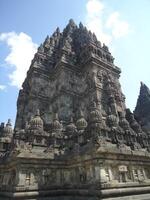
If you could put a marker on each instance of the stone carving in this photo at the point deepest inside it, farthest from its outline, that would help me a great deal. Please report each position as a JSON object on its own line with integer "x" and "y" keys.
{"x": 141, "y": 111}
{"x": 73, "y": 135}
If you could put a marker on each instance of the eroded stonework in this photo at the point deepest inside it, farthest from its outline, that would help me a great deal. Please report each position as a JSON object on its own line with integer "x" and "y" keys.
{"x": 142, "y": 110}
{"x": 73, "y": 137}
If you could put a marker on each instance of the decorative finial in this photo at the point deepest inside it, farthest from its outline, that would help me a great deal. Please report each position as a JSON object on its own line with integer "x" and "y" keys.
{"x": 47, "y": 38}
{"x": 8, "y": 131}
{"x": 9, "y": 122}
{"x": 55, "y": 116}
{"x": 41, "y": 48}
{"x": 37, "y": 112}
{"x": 81, "y": 25}
{"x": 81, "y": 113}
{"x": 81, "y": 122}
{"x": 71, "y": 120}
{"x": 90, "y": 33}
{"x": 57, "y": 30}
{"x": 2, "y": 125}
{"x": 144, "y": 89}
{"x": 71, "y": 22}
{"x": 142, "y": 83}
{"x": 94, "y": 37}
{"x": 105, "y": 47}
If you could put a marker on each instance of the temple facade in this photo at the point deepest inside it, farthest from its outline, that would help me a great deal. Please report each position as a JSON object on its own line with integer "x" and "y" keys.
{"x": 74, "y": 138}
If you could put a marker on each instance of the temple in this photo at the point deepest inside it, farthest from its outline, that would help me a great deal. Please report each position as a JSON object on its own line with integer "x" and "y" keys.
{"x": 74, "y": 138}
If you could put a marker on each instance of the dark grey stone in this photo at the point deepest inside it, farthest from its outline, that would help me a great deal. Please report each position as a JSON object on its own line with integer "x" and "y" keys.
{"x": 74, "y": 139}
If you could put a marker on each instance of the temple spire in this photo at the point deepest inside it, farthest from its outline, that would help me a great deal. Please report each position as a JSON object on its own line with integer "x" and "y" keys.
{"x": 144, "y": 90}
{"x": 142, "y": 109}
{"x": 71, "y": 22}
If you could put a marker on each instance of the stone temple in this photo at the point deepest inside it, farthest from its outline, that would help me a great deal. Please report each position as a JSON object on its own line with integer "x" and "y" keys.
{"x": 74, "y": 138}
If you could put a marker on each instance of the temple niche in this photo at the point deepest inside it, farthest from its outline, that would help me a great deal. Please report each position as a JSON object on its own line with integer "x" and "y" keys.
{"x": 74, "y": 138}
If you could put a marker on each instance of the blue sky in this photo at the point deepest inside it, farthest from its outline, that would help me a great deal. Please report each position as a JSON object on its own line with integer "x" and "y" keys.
{"x": 122, "y": 24}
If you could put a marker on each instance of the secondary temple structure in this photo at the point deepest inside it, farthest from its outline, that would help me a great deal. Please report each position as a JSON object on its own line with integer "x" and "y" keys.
{"x": 74, "y": 138}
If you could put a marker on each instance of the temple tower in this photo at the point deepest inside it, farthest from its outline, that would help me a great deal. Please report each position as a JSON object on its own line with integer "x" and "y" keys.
{"x": 70, "y": 70}
{"x": 74, "y": 138}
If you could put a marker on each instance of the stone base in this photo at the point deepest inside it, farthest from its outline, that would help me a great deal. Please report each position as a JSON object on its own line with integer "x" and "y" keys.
{"x": 133, "y": 197}
{"x": 138, "y": 193}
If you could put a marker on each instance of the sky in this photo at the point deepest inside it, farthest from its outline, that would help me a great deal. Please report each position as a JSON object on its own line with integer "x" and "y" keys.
{"x": 123, "y": 25}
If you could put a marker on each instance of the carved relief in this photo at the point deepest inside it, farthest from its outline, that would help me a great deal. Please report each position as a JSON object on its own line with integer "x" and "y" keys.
{"x": 71, "y": 72}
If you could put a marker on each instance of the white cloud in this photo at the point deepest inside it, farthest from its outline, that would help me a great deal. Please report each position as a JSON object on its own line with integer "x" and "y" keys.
{"x": 95, "y": 22}
{"x": 2, "y": 87}
{"x": 22, "y": 50}
{"x": 118, "y": 27}
{"x": 95, "y": 9}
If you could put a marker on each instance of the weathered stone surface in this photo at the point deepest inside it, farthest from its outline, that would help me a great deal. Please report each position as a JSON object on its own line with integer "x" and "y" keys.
{"x": 73, "y": 137}
{"x": 142, "y": 109}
